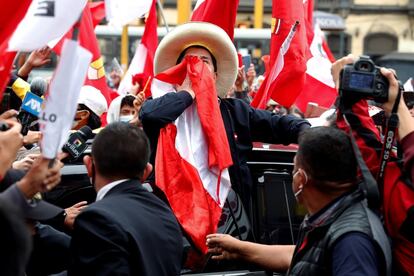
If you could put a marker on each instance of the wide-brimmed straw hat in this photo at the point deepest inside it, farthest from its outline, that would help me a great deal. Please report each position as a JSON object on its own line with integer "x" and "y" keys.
{"x": 203, "y": 34}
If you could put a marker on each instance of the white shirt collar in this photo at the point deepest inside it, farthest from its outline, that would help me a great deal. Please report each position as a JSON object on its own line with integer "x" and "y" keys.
{"x": 105, "y": 189}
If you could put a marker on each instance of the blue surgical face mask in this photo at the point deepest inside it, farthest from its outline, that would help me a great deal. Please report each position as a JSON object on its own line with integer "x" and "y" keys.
{"x": 126, "y": 118}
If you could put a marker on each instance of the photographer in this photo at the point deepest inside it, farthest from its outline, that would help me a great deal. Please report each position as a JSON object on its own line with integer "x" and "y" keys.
{"x": 396, "y": 190}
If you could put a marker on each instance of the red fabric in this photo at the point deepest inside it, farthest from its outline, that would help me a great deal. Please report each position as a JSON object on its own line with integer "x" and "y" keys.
{"x": 97, "y": 12}
{"x": 218, "y": 12}
{"x": 87, "y": 39}
{"x": 12, "y": 12}
{"x": 287, "y": 85}
{"x": 316, "y": 92}
{"x": 150, "y": 41}
{"x": 193, "y": 206}
{"x": 398, "y": 197}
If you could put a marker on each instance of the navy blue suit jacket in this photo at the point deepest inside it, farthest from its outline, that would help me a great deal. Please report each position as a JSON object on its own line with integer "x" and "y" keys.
{"x": 129, "y": 232}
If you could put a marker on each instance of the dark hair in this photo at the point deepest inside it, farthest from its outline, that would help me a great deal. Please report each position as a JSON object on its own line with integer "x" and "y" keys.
{"x": 181, "y": 56}
{"x": 326, "y": 154}
{"x": 93, "y": 121}
{"x": 121, "y": 150}
{"x": 128, "y": 100}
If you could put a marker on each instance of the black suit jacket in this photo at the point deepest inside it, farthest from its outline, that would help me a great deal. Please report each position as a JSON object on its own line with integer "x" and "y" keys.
{"x": 129, "y": 232}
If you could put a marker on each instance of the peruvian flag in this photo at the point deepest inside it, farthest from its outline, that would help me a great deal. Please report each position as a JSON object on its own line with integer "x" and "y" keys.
{"x": 88, "y": 40}
{"x": 193, "y": 153}
{"x": 319, "y": 84}
{"x": 263, "y": 95}
{"x": 288, "y": 55}
{"x": 218, "y": 12}
{"x": 12, "y": 12}
{"x": 141, "y": 69}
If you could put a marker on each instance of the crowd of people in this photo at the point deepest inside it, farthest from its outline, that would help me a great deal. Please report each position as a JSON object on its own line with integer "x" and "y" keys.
{"x": 135, "y": 229}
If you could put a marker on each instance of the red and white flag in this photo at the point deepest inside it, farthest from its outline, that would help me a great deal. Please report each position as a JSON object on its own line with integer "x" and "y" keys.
{"x": 87, "y": 39}
{"x": 220, "y": 13}
{"x": 264, "y": 94}
{"x": 121, "y": 12}
{"x": 193, "y": 153}
{"x": 319, "y": 84}
{"x": 60, "y": 105}
{"x": 44, "y": 22}
{"x": 143, "y": 60}
{"x": 287, "y": 79}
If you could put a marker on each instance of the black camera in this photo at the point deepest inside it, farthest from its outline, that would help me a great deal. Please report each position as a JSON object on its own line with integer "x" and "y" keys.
{"x": 363, "y": 80}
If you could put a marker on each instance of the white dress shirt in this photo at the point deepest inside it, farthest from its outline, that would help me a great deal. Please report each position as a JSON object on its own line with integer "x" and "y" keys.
{"x": 105, "y": 189}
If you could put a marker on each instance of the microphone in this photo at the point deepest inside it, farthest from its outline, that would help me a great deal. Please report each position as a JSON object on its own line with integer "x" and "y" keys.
{"x": 76, "y": 143}
{"x": 32, "y": 104}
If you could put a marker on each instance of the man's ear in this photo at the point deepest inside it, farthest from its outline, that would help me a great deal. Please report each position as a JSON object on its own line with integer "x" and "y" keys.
{"x": 146, "y": 173}
{"x": 87, "y": 160}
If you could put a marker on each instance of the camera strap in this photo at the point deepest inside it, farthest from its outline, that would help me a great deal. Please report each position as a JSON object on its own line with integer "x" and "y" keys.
{"x": 369, "y": 185}
{"x": 392, "y": 125}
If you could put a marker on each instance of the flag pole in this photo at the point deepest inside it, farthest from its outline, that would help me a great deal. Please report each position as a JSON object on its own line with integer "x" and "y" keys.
{"x": 162, "y": 16}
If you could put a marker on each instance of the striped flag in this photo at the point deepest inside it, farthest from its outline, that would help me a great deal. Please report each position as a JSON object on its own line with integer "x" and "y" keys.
{"x": 193, "y": 154}
{"x": 143, "y": 60}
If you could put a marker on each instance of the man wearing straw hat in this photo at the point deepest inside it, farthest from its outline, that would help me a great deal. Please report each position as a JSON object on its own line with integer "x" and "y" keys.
{"x": 200, "y": 139}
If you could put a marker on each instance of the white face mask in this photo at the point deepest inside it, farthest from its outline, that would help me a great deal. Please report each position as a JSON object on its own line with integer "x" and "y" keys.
{"x": 126, "y": 118}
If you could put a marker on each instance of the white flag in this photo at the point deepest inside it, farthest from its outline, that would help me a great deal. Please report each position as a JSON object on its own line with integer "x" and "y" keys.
{"x": 121, "y": 12}
{"x": 45, "y": 20}
{"x": 60, "y": 105}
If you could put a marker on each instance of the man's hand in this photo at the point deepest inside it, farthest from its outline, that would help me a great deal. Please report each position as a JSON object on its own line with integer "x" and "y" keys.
{"x": 9, "y": 114}
{"x": 72, "y": 212}
{"x": 187, "y": 86}
{"x": 26, "y": 163}
{"x": 40, "y": 178}
{"x": 36, "y": 59}
{"x": 250, "y": 76}
{"x": 241, "y": 76}
{"x": 223, "y": 246}
{"x": 338, "y": 65}
{"x": 32, "y": 137}
{"x": 10, "y": 142}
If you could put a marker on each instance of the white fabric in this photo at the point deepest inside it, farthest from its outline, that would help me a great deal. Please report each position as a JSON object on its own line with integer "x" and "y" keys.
{"x": 192, "y": 147}
{"x": 136, "y": 66}
{"x": 319, "y": 65}
{"x": 114, "y": 110}
{"x": 45, "y": 21}
{"x": 121, "y": 12}
{"x": 60, "y": 104}
{"x": 105, "y": 189}
{"x": 408, "y": 85}
{"x": 93, "y": 99}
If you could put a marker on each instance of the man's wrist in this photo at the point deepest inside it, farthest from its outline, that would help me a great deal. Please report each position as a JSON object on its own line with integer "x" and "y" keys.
{"x": 26, "y": 188}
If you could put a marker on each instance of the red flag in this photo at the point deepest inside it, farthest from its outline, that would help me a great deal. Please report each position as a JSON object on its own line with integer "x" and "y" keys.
{"x": 87, "y": 39}
{"x": 97, "y": 11}
{"x": 220, "y": 13}
{"x": 141, "y": 69}
{"x": 12, "y": 12}
{"x": 193, "y": 155}
{"x": 319, "y": 85}
{"x": 289, "y": 67}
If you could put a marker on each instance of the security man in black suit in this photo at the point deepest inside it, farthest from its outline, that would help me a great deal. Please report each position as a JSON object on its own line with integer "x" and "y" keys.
{"x": 128, "y": 230}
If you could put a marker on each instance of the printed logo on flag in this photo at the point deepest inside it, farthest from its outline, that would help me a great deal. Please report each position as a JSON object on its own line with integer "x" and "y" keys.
{"x": 32, "y": 104}
{"x": 275, "y": 27}
{"x": 45, "y": 8}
